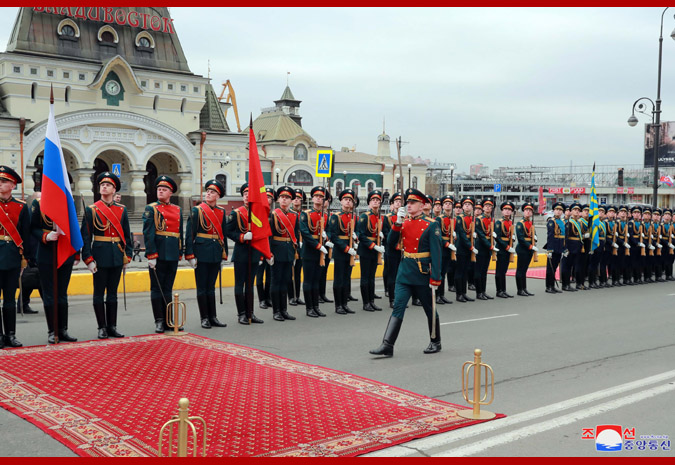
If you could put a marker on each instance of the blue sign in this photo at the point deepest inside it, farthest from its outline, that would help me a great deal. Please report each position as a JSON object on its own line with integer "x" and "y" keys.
{"x": 498, "y": 187}
{"x": 324, "y": 163}
{"x": 117, "y": 169}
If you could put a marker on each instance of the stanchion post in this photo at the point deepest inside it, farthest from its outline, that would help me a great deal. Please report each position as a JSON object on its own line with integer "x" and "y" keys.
{"x": 477, "y": 365}
{"x": 176, "y": 316}
{"x": 184, "y": 422}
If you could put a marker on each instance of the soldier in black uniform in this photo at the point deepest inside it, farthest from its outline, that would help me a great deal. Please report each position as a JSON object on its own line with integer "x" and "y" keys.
{"x": 106, "y": 251}
{"x": 341, "y": 228}
{"x": 368, "y": 250}
{"x": 263, "y": 278}
{"x": 526, "y": 248}
{"x": 163, "y": 235}
{"x": 636, "y": 242}
{"x": 392, "y": 255}
{"x": 582, "y": 264}
{"x": 323, "y": 298}
{"x": 574, "y": 234}
{"x": 596, "y": 256}
{"x": 608, "y": 267}
{"x": 465, "y": 248}
{"x": 446, "y": 223}
{"x": 14, "y": 232}
{"x": 483, "y": 241}
{"x": 622, "y": 259}
{"x": 504, "y": 242}
{"x": 555, "y": 246}
{"x": 206, "y": 250}
{"x": 656, "y": 242}
{"x": 244, "y": 257}
{"x": 296, "y": 276}
{"x": 649, "y": 240}
{"x": 313, "y": 224}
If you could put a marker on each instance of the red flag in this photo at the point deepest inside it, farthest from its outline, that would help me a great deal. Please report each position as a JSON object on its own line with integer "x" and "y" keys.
{"x": 542, "y": 201}
{"x": 259, "y": 207}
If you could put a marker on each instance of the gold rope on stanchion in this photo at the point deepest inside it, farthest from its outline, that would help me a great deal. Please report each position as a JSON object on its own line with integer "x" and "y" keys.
{"x": 184, "y": 422}
{"x": 176, "y": 315}
{"x": 477, "y": 365}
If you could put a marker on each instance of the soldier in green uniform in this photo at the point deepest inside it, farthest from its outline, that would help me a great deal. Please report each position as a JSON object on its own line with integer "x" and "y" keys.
{"x": 284, "y": 223}
{"x": 465, "y": 248}
{"x": 206, "y": 250}
{"x": 526, "y": 248}
{"x": 447, "y": 225}
{"x": 14, "y": 244}
{"x": 296, "y": 277}
{"x": 368, "y": 229}
{"x": 594, "y": 275}
{"x": 392, "y": 256}
{"x": 574, "y": 235}
{"x": 245, "y": 258}
{"x": 263, "y": 278}
{"x": 555, "y": 246}
{"x": 106, "y": 251}
{"x": 484, "y": 237}
{"x": 420, "y": 270}
{"x": 163, "y": 235}
{"x": 504, "y": 242}
{"x": 340, "y": 230}
{"x": 313, "y": 223}
{"x": 323, "y": 298}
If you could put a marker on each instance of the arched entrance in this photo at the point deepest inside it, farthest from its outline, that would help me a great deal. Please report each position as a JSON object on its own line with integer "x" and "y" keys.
{"x": 104, "y": 162}
{"x": 162, "y": 163}
{"x": 71, "y": 166}
{"x": 300, "y": 178}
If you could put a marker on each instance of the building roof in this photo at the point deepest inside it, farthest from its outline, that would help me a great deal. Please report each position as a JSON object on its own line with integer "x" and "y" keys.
{"x": 287, "y": 95}
{"x": 211, "y": 117}
{"x": 277, "y": 126}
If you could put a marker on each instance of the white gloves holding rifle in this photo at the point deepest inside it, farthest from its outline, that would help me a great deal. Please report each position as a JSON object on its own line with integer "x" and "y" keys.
{"x": 351, "y": 252}
{"x": 379, "y": 248}
{"x": 328, "y": 244}
{"x": 193, "y": 262}
{"x": 52, "y": 236}
{"x": 323, "y": 250}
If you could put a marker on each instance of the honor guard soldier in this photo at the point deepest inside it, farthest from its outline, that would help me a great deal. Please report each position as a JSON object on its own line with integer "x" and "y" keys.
{"x": 323, "y": 298}
{"x": 14, "y": 244}
{"x": 668, "y": 243}
{"x": 584, "y": 258}
{"x": 457, "y": 210}
{"x": 526, "y": 248}
{"x": 263, "y": 278}
{"x": 313, "y": 224}
{"x": 484, "y": 228}
{"x": 649, "y": 240}
{"x": 555, "y": 246}
{"x": 504, "y": 242}
{"x": 420, "y": 270}
{"x": 465, "y": 248}
{"x": 106, "y": 251}
{"x": 438, "y": 208}
{"x": 574, "y": 235}
{"x": 623, "y": 254}
{"x": 608, "y": 264}
{"x": 636, "y": 238}
{"x": 428, "y": 205}
{"x": 392, "y": 255}
{"x": 371, "y": 247}
{"x": 206, "y": 249}
{"x": 341, "y": 231}
{"x": 595, "y": 256}
{"x": 447, "y": 224}
{"x": 296, "y": 277}
{"x": 163, "y": 235}
{"x": 42, "y": 228}
{"x": 656, "y": 242}
{"x": 285, "y": 244}
{"x": 245, "y": 258}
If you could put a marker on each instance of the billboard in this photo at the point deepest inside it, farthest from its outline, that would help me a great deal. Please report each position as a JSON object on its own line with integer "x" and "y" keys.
{"x": 666, "y": 145}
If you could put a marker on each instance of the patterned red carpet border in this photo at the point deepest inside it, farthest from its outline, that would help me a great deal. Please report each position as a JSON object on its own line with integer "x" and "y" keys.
{"x": 110, "y": 398}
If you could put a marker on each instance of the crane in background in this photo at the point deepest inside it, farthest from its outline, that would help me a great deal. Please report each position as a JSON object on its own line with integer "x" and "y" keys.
{"x": 230, "y": 96}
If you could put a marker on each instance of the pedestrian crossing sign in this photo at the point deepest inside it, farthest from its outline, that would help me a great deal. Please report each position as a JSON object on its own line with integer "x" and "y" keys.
{"x": 324, "y": 163}
{"x": 117, "y": 169}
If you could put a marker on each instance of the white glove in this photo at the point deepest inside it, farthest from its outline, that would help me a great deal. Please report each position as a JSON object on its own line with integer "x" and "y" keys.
{"x": 512, "y": 250}
{"x": 494, "y": 234}
{"x": 475, "y": 235}
{"x": 452, "y": 247}
{"x": 475, "y": 251}
{"x": 659, "y": 246}
{"x": 626, "y": 245}
{"x": 615, "y": 245}
{"x": 329, "y": 244}
{"x": 76, "y": 262}
{"x": 223, "y": 263}
{"x": 651, "y": 247}
{"x": 591, "y": 252}
{"x": 672, "y": 246}
{"x": 52, "y": 236}
{"x": 92, "y": 267}
{"x": 535, "y": 237}
{"x": 193, "y": 262}
{"x": 400, "y": 215}
{"x": 495, "y": 249}
{"x": 660, "y": 237}
{"x": 514, "y": 237}
{"x": 152, "y": 263}
{"x": 642, "y": 244}
{"x": 535, "y": 248}
{"x": 566, "y": 253}
{"x": 379, "y": 248}
{"x": 354, "y": 236}
{"x": 248, "y": 236}
{"x": 300, "y": 245}
{"x": 324, "y": 235}
{"x": 433, "y": 287}
{"x": 323, "y": 250}
{"x": 587, "y": 235}
{"x": 270, "y": 261}
{"x": 351, "y": 252}
{"x": 454, "y": 234}
{"x": 381, "y": 235}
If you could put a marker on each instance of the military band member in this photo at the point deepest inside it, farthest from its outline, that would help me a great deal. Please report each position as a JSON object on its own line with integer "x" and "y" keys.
{"x": 447, "y": 224}
{"x": 526, "y": 248}
{"x": 504, "y": 242}
{"x": 296, "y": 277}
{"x": 668, "y": 243}
{"x": 596, "y": 255}
{"x": 163, "y": 235}
{"x": 555, "y": 246}
{"x": 106, "y": 251}
{"x": 244, "y": 257}
{"x": 636, "y": 237}
{"x": 14, "y": 244}
{"x": 483, "y": 242}
{"x": 340, "y": 231}
{"x": 263, "y": 279}
{"x": 284, "y": 223}
{"x": 574, "y": 235}
{"x": 392, "y": 256}
{"x": 42, "y": 228}
{"x": 323, "y": 298}
{"x": 313, "y": 224}
{"x": 420, "y": 270}
{"x": 206, "y": 250}
{"x": 368, "y": 231}
{"x": 465, "y": 248}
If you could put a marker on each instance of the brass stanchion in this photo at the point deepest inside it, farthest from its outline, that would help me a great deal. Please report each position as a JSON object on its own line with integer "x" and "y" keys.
{"x": 477, "y": 401}
{"x": 173, "y": 319}
{"x": 184, "y": 422}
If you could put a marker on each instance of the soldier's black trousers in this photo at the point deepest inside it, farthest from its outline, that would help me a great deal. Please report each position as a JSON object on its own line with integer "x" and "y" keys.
{"x": 368, "y": 262}
{"x": 323, "y": 276}
{"x": 524, "y": 259}
{"x": 263, "y": 281}
{"x": 462, "y": 273}
{"x": 403, "y": 294}
{"x": 281, "y": 275}
{"x": 342, "y": 273}
{"x": 551, "y": 268}
{"x": 385, "y": 270}
{"x": 481, "y": 269}
{"x": 9, "y": 282}
{"x": 594, "y": 264}
{"x": 106, "y": 281}
{"x": 393, "y": 261}
{"x": 501, "y": 268}
{"x": 295, "y": 280}
{"x": 206, "y": 275}
{"x": 636, "y": 263}
{"x": 470, "y": 271}
{"x": 312, "y": 274}
{"x": 243, "y": 281}
{"x": 446, "y": 264}
{"x": 166, "y": 274}
{"x": 63, "y": 279}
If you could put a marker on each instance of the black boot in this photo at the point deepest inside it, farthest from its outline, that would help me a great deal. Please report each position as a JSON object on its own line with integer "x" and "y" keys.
{"x": 325, "y": 299}
{"x": 314, "y": 294}
{"x": 284, "y": 308}
{"x": 504, "y": 288}
{"x": 434, "y": 343}
{"x": 99, "y": 311}
{"x": 213, "y": 318}
{"x": 365, "y": 295}
{"x": 524, "y": 281}
{"x": 158, "y": 313}
{"x": 339, "y": 309}
{"x": 10, "y": 340}
{"x": 345, "y": 299}
{"x": 203, "y": 306}
{"x": 386, "y": 349}
{"x": 9, "y": 321}
{"x": 309, "y": 305}
{"x": 372, "y": 296}
{"x": 240, "y": 302}
{"x": 63, "y": 324}
{"x": 276, "y": 305}
{"x": 111, "y": 318}
{"x": 49, "y": 316}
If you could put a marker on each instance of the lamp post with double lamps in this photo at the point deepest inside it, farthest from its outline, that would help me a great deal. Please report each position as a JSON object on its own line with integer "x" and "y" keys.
{"x": 656, "y": 114}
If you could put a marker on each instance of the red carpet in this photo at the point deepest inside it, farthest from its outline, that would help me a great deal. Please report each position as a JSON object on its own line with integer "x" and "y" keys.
{"x": 110, "y": 398}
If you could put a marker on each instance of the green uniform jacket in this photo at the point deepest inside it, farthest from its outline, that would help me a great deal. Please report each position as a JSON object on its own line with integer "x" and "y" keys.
{"x": 158, "y": 219}
{"x": 463, "y": 240}
{"x": 40, "y": 226}
{"x": 106, "y": 254}
{"x": 237, "y": 226}
{"x": 503, "y": 233}
{"x": 310, "y": 231}
{"x": 338, "y": 233}
{"x": 365, "y": 231}
{"x": 284, "y": 251}
{"x": 525, "y": 242}
{"x": 205, "y": 249}
{"x": 483, "y": 242}
{"x": 420, "y": 235}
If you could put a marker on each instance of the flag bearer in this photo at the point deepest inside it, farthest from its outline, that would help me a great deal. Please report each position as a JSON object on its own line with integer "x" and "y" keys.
{"x": 368, "y": 250}
{"x": 106, "y": 251}
{"x": 206, "y": 249}
{"x": 313, "y": 224}
{"x": 284, "y": 223}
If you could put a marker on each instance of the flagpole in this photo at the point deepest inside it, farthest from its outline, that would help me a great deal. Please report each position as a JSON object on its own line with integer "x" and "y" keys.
{"x": 201, "y": 166}
{"x": 22, "y": 127}
{"x": 55, "y": 258}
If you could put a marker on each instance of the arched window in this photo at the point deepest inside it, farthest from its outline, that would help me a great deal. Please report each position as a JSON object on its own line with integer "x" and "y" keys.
{"x": 221, "y": 178}
{"x": 68, "y": 29}
{"x": 108, "y": 35}
{"x": 300, "y": 153}
{"x": 370, "y": 186}
{"x": 339, "y": 187}
{"x": 414, "y": 182}
{"x": 145, "y": 41}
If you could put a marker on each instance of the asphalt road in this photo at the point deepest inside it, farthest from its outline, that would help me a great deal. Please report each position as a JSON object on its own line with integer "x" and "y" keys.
{"x": 562, "y": 363}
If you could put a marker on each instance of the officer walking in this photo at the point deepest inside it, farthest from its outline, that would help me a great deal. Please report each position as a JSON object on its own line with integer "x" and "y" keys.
{"x": 504, "y": 242}
{"x": 313, "y": 223}
{"x": 418, "y": 273}
{"x": 206, "y": 250}
{"x": 106, "y": 251}
{"x": 526, "y": 248}
{"x": 163, "y": 236}
{"x": 368, "y": 230}
{"x": 14, "y": 232}
{"x": 340, "y": 230}
{"x": 555, "y": 246}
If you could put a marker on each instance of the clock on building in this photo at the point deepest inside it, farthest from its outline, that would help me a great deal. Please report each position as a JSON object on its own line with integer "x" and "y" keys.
{"x": 112, "y": 90}
{"x": 113, "y": 87}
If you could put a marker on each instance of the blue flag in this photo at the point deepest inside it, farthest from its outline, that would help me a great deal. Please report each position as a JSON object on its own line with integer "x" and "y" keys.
{"x": 595, "y": 219}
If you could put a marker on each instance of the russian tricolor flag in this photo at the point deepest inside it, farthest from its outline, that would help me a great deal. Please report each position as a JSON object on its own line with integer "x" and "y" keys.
{"x": 57, "y": 199}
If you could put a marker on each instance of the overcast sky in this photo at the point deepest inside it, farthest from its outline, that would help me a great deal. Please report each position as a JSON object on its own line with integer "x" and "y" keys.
{"x": 498, "y": 86}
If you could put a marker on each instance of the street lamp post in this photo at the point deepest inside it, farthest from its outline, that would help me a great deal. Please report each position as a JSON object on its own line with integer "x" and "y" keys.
{"x": 344, "y": 179}
{"x": 409, "y": 179}
{"x": 277, "y": 171}
{"x": 656, "y": 114}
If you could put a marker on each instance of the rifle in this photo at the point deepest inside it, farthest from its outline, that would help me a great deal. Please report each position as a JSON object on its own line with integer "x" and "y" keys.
{"x": 535, "y": 255}
{"x": 658, "y": 233}
{"x": 615, "y": 251}
{"x": 511, "y": 232}
{"x": 670, "y": 239}
{"x": 352, "y": 226}
{"x": 379, "y": 231}
{"x": 649, "y": 241}
{"x": 642, "y": 235}
{"x": 322, "y": 257}
{"x": 472, "y": 232}
{"x": 625, "y": 240}
{"x": 492, "y": 236}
